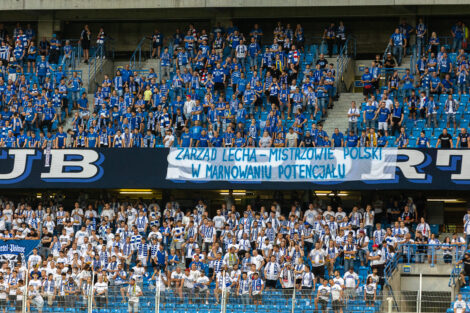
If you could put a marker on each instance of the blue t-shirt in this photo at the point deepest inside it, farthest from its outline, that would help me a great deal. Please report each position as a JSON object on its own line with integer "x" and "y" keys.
{"x": 337, "y": 138}
{"x": 423, "y": 142}
{"x": 367, "y": 79}
{"x": 61, "y": 137}
{"x": 383, "y": 114}
{"x": 196, "y": 132}
{"x": 370, "y": 112}
{"x": 185, "y": 139}
{"x": 351, "y": 141}
{"x": 92, "y": 139}
{"x": 204, "y": 141}
{"x": 382, "y": 141}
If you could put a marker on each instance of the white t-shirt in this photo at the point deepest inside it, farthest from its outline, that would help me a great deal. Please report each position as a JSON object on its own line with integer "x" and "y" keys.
{"x": 219, "y": 222}
{"x": 350, "y": 279}
{"x": 338, "y": 281}
{"x": 317, "y": 257}
{"x": 291, "y": 139}
{"x": 257, "y": 260}
{"x": 369, "y": 218}
{"x": 370, "y": 289}
{"x": 310, "y": 216}
{"x": 201, "y": 282}
{"x": 3, "y": 291}
{"x": 264, "y": 142}
{"x": 133, "y": 293}
{"x": 169, "y": 140}
{"x": 336, "y": 292}
{"x": 460, "y": 305}
{"x": 324, "y": 292}
{"x": 176, "y": 275}
{"x": 339, "y": 216}
{"x": 188, "y": 281}
{"x": 36, "y": 283}
{"x": 353, "y": 111}
{"x": 101, "y": 287}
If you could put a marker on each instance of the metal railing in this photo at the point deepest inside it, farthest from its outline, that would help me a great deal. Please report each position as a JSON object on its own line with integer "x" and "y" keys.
{"x": 139, "y": 55}
{"x": 67, "y": 74}
{"x": 431, "y": 254}
{"x": 414, "y": 59}
{"x": 97, "y": 59}
{"x": 454, "y": 275}
{"x": 347, "y": 52}
{"x": 98, "y": 296}
{"x": 157, "y": 295}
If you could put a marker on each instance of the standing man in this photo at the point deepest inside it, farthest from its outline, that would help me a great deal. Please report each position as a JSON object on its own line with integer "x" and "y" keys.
{"x": 133, "y": 293}
{"x": 397, "y": 42}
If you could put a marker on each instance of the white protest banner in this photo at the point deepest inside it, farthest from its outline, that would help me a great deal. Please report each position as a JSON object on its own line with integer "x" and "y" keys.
{"x": 281, "y": 164}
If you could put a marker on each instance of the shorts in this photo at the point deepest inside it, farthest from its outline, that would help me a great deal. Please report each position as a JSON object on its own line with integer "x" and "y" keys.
{"x": 3, "y": 304}
{"x": 19, "y": 305}
{"x": 271, "y": 283}
{"x": 337, "y": 305}
{"x": 38, "y": 302}
{"x": 383, "y": 125}
{"x": 156, "y": 44}
{"x": 85, "y": 44}
{"x": 133, "y": 306}
{"x": 368, "y": 91}
{"x": 257, "y": 297}
{"x": 450, "y": 117}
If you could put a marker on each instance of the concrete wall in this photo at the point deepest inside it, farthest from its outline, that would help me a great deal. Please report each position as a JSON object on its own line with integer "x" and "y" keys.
{"x": 435, "y": 278}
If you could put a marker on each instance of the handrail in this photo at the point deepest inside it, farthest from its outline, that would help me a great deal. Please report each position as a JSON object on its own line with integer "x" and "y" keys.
{"x": 95, "y": 62}
{"x": 454, "y": 274}
{"x": 409, "y": 250}
{"x": 387, "y": 50}
{"x": 414, "y": 59}
{"x": 68, "y": 74}
{"x": 343, "y": 58}
{"x": 135, "y": 61}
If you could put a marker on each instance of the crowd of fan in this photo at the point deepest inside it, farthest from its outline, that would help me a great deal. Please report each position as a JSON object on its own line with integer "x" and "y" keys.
{"x": 245, "y": 250}
{"x": 224, "y": 88}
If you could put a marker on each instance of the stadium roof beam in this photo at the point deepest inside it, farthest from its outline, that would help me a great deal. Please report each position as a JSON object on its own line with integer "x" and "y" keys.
{"x": 162, "y": 4}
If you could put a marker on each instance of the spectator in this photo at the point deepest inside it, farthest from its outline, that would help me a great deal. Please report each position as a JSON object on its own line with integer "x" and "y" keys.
{"x": 444, "y": 140}
{"x": 398, "y": 43}
{"x": 85, "y": 38}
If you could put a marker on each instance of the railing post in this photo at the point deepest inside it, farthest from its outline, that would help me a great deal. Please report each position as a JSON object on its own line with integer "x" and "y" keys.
{"x": 293, "y": 299}
{"x": 25, "y": 293}
{"x": 91, "y": 292}
{"x": 419, "y": 292}
{"x": 433, "y": 254}
{"x": 389, "y": 302}
{"x": 224, "y": 299}
{"x": 157, "y": 293}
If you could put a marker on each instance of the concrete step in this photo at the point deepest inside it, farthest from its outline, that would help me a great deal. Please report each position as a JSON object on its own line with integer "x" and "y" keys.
{"x": 337, "y": 117}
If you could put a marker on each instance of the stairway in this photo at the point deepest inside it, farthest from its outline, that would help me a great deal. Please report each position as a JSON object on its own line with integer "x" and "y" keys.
{"x": 338, "y": 116}
{"x": 155, "y": 64}
{"x": 90, "y": 96}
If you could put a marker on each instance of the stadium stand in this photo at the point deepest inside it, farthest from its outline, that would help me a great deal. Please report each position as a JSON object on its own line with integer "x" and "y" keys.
{"x": 223, "y": 88}
{"x": 256, "y": 255}
{"x": 228, "y": 89}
